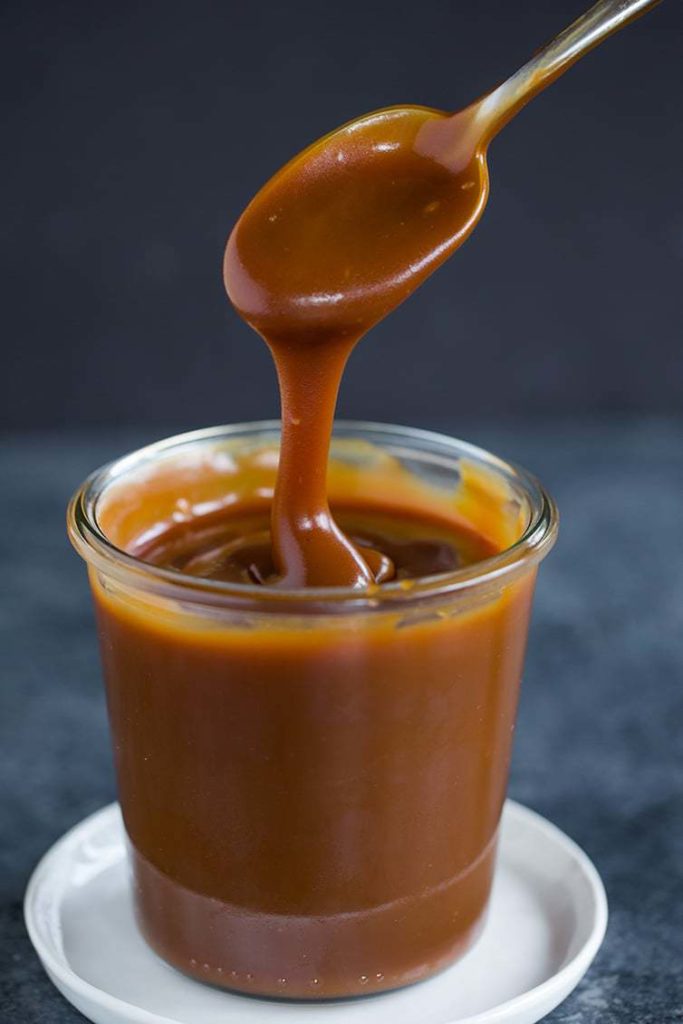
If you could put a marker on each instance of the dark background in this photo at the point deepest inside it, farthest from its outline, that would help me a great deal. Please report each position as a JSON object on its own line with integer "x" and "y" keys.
{"x": 134, "y": 134}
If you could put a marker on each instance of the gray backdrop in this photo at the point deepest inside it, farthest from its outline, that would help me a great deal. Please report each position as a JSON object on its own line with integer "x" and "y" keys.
{"x": 134, "y": 133}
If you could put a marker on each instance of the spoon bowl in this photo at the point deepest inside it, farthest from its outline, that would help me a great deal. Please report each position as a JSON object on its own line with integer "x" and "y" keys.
{"x": 352, "y": 225}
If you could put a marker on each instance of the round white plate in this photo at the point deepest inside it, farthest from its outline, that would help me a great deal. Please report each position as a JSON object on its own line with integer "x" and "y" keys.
{"x": 547, "y": 919}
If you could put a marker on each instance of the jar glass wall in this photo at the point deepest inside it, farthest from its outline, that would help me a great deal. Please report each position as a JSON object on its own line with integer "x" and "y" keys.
{"x": 311, "y": 781}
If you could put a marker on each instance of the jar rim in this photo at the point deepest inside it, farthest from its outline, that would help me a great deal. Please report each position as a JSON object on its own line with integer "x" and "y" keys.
{"x": 98, "y": 551}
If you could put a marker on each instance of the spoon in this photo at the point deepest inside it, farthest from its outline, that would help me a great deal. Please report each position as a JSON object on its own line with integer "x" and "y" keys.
{"x": 343, "y": 234}
{"x": 350, "y": 226}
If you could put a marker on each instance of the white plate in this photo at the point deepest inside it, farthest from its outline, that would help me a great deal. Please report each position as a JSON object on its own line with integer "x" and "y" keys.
{"x": 547, "y": 919}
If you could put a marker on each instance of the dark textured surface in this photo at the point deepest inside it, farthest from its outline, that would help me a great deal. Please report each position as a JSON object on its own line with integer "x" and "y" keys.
{"x": 599, "y": 746}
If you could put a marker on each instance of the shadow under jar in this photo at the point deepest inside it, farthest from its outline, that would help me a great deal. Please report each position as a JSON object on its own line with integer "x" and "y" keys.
{"x": 312, "y": 781}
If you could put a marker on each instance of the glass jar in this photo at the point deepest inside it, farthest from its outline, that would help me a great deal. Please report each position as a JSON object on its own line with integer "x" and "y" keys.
{"x": 311, "y": 781}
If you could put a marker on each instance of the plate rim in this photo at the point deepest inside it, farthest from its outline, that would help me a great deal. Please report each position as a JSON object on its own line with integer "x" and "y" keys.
{"x": 61, "y": 973}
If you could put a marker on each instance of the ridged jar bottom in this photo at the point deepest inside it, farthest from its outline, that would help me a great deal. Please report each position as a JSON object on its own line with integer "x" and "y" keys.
{"x": 304, "y": 957}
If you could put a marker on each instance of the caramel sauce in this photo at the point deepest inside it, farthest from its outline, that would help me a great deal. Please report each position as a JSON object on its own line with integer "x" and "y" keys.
{"x": 312, "y": 797}
{"x": 312, "y": 785}
{"x": 309, "y": 796}
{"x": 235, "y": 547}
{"x": 334, "y": 242}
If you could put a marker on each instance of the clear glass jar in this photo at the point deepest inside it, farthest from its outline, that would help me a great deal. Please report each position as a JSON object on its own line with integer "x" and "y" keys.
{"x": 311, "y": 781}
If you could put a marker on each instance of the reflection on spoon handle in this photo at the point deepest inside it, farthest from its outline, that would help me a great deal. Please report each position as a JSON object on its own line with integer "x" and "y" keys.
{"x": 553, "y": 59}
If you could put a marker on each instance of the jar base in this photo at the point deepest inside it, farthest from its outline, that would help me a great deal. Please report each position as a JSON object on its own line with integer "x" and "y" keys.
{"x": 301, "y": 957}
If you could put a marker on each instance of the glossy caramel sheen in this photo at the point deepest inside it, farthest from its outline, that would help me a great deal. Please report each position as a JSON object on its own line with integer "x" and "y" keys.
{"x": 312, "y": 799}
{"x": 234, "y": 545}
{"x": 348, "y": 229}
{"x": 336, "y": 240}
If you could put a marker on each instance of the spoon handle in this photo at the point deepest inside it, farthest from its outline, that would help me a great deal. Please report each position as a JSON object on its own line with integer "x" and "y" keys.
{"x": 496, "y": 108}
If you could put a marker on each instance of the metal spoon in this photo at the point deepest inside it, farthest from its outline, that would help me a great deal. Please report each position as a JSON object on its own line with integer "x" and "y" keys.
{"x": 352, "y": 225}
{"x": 337, "y": 239}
